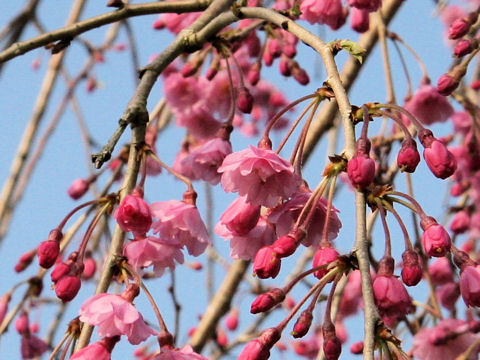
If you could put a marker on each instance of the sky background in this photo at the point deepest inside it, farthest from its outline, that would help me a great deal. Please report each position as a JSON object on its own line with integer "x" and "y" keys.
{"x": 46, "y": 202}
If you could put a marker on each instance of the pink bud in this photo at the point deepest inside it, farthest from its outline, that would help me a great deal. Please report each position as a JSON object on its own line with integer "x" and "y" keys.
{"x": 222, "y": 339}
{"x": 267, "y": 263}
{"x": 435, "y": 239}
{"x": 359, "y": 20}
{"x": 273, "y": 47}
{"x": 285, "y": 246}
{"x": 440, "y": 161}
{"x": 470, "y": 285}
{"x": 460, "y": 222}
{"x": 301, "y": 327}
{"x": 267, "y": 301}
{"x": 284, "y": 67}
{"x": 231, "y": 321}
{"x": 332, "y": 347}
{"x": 458, "y": 28}
{"x": 90, "y": 86}
{"x": 441, "y": 271}
{"x": 412, "y": 271}
{"x": 78, "y": 188}
{"x": 211, "y": 73}
{"x": 59, "y": 271}
{"x": 357, "y": 348}
{"x": 188, "y": 69}
{"x": 448, "y": 295}
{"x": 90, "y": 266}
{"x": 253, "y": 74}
{"x": 462, "y": 48}
{"x": 134, "y": 214}
{"x": 300, "y": 75}
{"x": 159, "y": 24}
{"x": 25, "y": 260}
{"x": 21, "y": 324}
{"x": 67, "y": 287}
{"x": 289, "y": 50}
{"x": 361, "y": 170}
{"x": 408, "y": 156}
{"x": 244, "y": 100}
{"x": 48, "y": 252}
{"x": 254, "y": 350}
{"x": 324, "y": 256}
{"x": 447, "y": 84}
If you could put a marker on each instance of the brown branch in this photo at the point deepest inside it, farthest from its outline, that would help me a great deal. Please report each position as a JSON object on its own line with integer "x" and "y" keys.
{"x": 72, "y": 30}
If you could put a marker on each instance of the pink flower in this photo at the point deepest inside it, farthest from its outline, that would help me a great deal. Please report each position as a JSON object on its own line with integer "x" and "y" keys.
{"x": 185, "y": 353}
{"x": 444, "y": 341}
{"x": 78, "y": 188}
{"x": 246, "y": 246}
{"x": 470, "y": 285}
{"x": 391, "y": 296}
{"x": 329, "y": 12}
{"x": 153, "y": 251}
{"x": 428, "y": 106}
{"x": 205, "y": 160}
{"x": 181, "y": 223}
{"x": 240, "y": 217}
{"x": 98, "y": 351}
{"x": 368, "y": 5}
{"x": 133, "y": 214}
{"x": 285, "y": 215}
{"x": 435, "y": 239}
{"x": 260, "y": 174}
{"x": 115, "y": 316}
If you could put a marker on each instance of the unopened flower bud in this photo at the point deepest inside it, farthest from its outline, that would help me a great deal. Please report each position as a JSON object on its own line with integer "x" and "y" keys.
{"x": 440, "y": 271}
{"x": 300, "y": 75}
{"x": 460, "y": 222}
{"x": 412, "y": 271}
{"x": 361, "y": 168}
{"x": 357, "y": 348}
{"x": 134, "y": 214}
{"x": 332, "y": 347}
{"x": 284, "y": 67}
{"x": 188, "y": 69}
{"x": 90, "y": 266}
{"x": 448, "y": 82}
{"x": 301, "y": 327}
{"x": 470, "y": 285}
{"x": 253, "y": 74}
{"x": 67, "y": 287}
{"x": 59, "y": 271}
{"x": 48, "y": 252}
{"x": 244, "y": 100}
{"x": 267, "y": 301}
{"x": 359, "y": 20}
{"x": 324, "y": 256}
{"x": 440, "y": 161}
{"x": 285, "y": 245}
{"x": 21, "y": 324}
{"x": 464, "y": 47}
{"x": 231, "y": 321}
{"x": 254, "y": 350}
{"x": 267, "y": 263}
{"x": 408, "y": 156}
{"x": 459, "y": 28}
{"x": 78, "y": 188}
{"x": 435, "y": 239}
{"x": 25, "y": 260}
{"x": 448, "y": 295}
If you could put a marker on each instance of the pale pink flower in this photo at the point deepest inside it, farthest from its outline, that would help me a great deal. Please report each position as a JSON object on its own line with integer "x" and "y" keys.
{"x": 205, "y": 159}
{"x": 153, "y": 251}
{"x": 442, "y": 341}
{"x": 284, "y": 217}
{"x": 245, "y": 247}
{"x": 329, "y": 12}
{"x": 428, "y": 106}
{"x": 260, "y": 174}
{"x": 115, "y": 316}
{"x": 181, "y": 223}
{"x": 97, "y": 351}
{"x": 185, "y": 353}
